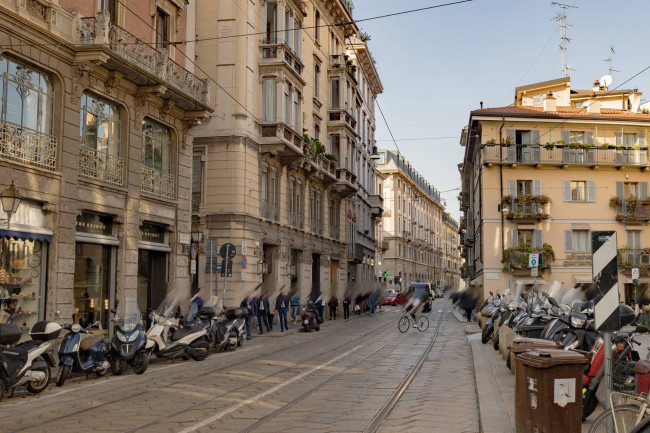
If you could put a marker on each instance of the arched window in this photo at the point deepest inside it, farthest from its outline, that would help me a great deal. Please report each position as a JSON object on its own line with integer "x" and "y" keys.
{"x": 100, "y": 124}
{"x": 157, "y": 146}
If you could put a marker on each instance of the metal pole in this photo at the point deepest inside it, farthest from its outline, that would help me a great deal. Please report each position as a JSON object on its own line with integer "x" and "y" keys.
{"x": 210, "y": 244}
{"x": 607, "y": 343}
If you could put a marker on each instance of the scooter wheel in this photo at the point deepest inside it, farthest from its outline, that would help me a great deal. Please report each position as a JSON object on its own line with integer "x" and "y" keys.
{"x": 496, "y": 342}
{"x": 140, "y": 362}
{"x": 38, "y": 387}
{"x": 317, "y": 328}
{"x": 201, "y": 344}
{"x": 62, "y": 375}
{"x": 101, "y": 373}
{"x": 119, "y": 366}
{"x": 2, "y": 391}
{"x": 486, "y": 335}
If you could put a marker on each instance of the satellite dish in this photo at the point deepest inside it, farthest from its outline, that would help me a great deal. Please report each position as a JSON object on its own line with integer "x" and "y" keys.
{"x": 606, "y": 80}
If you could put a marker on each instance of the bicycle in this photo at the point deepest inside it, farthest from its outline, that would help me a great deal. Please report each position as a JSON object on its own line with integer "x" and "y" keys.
{"x": 422, "y": 323}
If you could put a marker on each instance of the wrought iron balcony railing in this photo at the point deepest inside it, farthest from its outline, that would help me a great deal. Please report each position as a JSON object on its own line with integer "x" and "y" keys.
{"x": 156, "y": 182}
{"x": 270, "y": 210}
{"x": 335, "y": 232}
{"x": 297, "y": 220}
{"x": 101, "y": 166}
{"x": 492, "y": 153}
{"x": 316, "y": 226}
{"x": 196, "y": 201}
{"x": 27, "y": 146}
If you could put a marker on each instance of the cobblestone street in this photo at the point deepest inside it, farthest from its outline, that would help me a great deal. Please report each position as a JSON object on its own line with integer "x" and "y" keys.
{"x": 335, "y": 380}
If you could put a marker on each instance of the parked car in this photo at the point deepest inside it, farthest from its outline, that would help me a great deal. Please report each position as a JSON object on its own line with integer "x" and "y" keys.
{"x": 390, "y": 299}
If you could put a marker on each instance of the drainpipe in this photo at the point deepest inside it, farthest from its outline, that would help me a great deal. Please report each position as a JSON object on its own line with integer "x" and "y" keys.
{"x": 503, "y": 245}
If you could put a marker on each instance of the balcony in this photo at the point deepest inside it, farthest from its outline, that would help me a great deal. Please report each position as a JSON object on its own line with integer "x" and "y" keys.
{"x": 523, "y": 211}
{"x": 196, "y": 201}
{"x": 355, "y": 253}
{"x": 384, "y": 245}
{"x": 631, "y": 210}
{"x": 517, "y": 258}
{"x": 407, "y": 235}
{"x": 316, "y": 226}
{"x": 376, "y": 205}
{"x": 634, "y": 258}
{"x": 279, "y": 139}
{"x": 104, "y": 42}
{"x": 346, "y": 182}
{"x": 297, "y": 220}
{"x": 27, "y": 146}
{"x": 564, "y": 156}
{"x": 276, "y": 53}
{"x": 156, "y": 182}
{"x": 269, "y": 210}
{"x": 335, "y": 232}
{"x": 341, "y": 118}
{"x": 101, "y": 166}
{"x": 340, "y": 64}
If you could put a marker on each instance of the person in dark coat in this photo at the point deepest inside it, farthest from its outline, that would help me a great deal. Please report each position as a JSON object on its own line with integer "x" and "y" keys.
{"x": 467, "y": 302}
{"x": 358, "y": 301}
{"x": 346, "y": 307}
{"x": 333, "y": 304}
{"x": 262, "y": 308}
{"x": 248, "y": 304}
{"x": 269, "y": 313}
{"x": 320, "y": 305}
{"x": 281, "y": 306}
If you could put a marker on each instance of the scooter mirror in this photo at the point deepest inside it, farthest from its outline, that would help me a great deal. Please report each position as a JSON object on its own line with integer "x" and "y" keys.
{"x": 553, "y": 301}
{"x": 642, "y": 329}
{"x": 58, "y": 313}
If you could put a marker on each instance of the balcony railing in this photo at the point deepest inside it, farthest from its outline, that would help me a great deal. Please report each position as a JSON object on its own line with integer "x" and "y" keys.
{"x": 270, "y": 210}
{"x": 564, "y": 156}
{"x": 630, "y": 210}
{"x": 526, "y": 211}
{"x": 297, "y": 220}
{"x": 273, "y": 50}
{"x": 196, "y": 201}
{"x": 156, "y": 182}
{"x": 27, "y": 146}
{"x": 99, "y": 31}
{"x": 335, "y": 232}
{"x": 628, "y": 258}
{"x": 101, "y": 166}
{"x": 316, "y": 226}
{"x": 276, "y": 133}
{"x": 341, "y": 117}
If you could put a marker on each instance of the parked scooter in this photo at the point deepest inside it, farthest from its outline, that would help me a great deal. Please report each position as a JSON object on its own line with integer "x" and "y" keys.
{"x": 129, "y": 341}
{"x": 89, "y": 355}
{"x": 27, "y": 363}
{"x": 166, "y": 338}
{"x": 309, "y": 318}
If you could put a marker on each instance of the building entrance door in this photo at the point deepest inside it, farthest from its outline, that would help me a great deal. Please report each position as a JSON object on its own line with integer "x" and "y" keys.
{"x": 315, "y": 274}
{"x": 152, "y": 278}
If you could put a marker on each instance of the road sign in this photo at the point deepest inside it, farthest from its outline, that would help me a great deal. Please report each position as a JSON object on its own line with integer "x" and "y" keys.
{"x": 226, "y": 268}
{"x": 212, "y": 255}
{"x": 534, "y": 272}
{"x": 605, "y": 273}
{"x": 244, "y": 248}
{"x": 533, "y": 260}
{"x": 193, "y": 251}
{"x": 192, "y": 267}
{"x": 227, "y": 251}
{"x": 243, "y": 262}
{"x": 386, "y": 274}
{"x": 635, "y": 273}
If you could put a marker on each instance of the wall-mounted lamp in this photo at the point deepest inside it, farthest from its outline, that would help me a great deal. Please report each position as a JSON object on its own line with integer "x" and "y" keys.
{"x": 197, "y": 236}
{"x": 375, "y": 156}
{"x": 10, "y": 199}
{"x": 262, "y": 267}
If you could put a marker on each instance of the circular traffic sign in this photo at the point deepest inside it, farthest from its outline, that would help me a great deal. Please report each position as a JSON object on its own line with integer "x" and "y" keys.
{"x": 227, "y": 251}
{"x": 243, "y": 262}
{"x": 193, "y": 251}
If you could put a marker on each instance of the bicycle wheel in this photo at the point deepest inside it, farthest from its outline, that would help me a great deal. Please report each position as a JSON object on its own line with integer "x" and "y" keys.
{"x": 403, "y": 324}
{"x": 423, "y": 323}
{"x": 625, "y": 415}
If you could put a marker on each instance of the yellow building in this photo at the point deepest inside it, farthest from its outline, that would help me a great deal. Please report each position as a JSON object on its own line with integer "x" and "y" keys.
{"x": 542, "y": 174}
{"x": 450, "y": 253}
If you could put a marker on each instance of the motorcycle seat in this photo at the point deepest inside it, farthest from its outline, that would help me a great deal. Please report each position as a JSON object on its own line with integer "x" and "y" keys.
{"x": 89, "y": 342}
{"x": 185, "y": 331}
{"x": 19, "y": 352}
{"x": 642, "y": 367}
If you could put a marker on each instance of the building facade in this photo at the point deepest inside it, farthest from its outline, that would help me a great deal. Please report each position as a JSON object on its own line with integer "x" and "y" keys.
{"x": 96, "y": 135}
{"x": 282, "y": 168}
{"x": 539, "y": 176}
{"x": 451, "y": 260}
{"x": 412, "y": 224}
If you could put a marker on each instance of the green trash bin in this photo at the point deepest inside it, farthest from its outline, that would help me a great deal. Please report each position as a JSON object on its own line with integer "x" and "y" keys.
{"x": 548, "y": 391}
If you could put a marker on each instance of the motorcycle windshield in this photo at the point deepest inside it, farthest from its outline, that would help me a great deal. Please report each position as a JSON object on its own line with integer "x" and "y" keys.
{"x": 132, "y": 315}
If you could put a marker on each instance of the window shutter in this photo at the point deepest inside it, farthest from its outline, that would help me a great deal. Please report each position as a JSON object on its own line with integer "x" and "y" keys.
{"x": 535, "y": 156}
{"x": 591, "y": 191}
{"x": 589, "y": 138}
{"x": 510, "y": 133}
{"x": 512, "y": 154}
{"x": 619, "y": 190}
{"x": 643, "y": 190}
{"x": 534, "y": 139}
{"x": 537, "y": 239}
{"x": 640, "y": 139}
{"x": 512, "y": 187}
{"x": 514, "y": 238}
{"x": 568, "y": 241}
{"x": 565, "y": 137}
{"x": 537, "y": 187}
{"x": 618, "y": 137}
{"x": 566, "y": 188}
{"x": 589, "y": 241}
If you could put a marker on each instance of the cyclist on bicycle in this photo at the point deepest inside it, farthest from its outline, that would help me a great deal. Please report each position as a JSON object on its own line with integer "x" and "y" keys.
{"x": 411, "y": 306}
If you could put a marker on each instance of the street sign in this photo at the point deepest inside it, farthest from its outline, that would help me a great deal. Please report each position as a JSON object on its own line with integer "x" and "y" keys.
{"x": 192, "y": 267}
{"x": 212, "y": 253}
{"x": 533, "y": 260}
{"x": 226, "y": 268}
{"x": 533, "y": 272}
{"x": 244, "y": 248}
{"x": 193, "y": 251}
{"x": 605, "y": 274}
{"x": 227, "y": 251}
{"x": 243, "y": 262}
{"x": 635, "y": 273}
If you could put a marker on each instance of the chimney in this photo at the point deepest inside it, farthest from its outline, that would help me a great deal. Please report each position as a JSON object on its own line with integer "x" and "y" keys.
{"x": 550, "y": 103}
{"x": 596, "y": 86}
{"x": 593, "y": 105}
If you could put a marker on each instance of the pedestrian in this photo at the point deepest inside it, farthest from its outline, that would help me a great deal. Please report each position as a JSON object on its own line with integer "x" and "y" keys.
{"x": 644, "y": 304}
{"x": 295, "y": 303}
{"x": 372, "y": 300}
{"x": 320, "y": 306}
{"x": 269, "y": 313}
{"x": 346, "y": 307}
{"x": 333, "y": 304}
{"x": 246, "y": 303}
{"x": 281, "y": 304}
{"x": 358, "y": 302}
{"x": 467, "y": 302}
{"x": 262, "y": 304}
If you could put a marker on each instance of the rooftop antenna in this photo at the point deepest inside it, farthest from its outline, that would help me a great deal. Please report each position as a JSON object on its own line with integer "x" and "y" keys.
{"x": 610, "y": 59}
{"x": 564, "y": 40}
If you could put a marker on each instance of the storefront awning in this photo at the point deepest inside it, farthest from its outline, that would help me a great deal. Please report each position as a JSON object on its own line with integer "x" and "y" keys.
{"x": 153, "y": 246}
{"x": 27, "y": 234}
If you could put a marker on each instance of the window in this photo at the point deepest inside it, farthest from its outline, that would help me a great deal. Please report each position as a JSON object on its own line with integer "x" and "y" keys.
{"x": 335, "y": 146}
{"x": 335, "y": 93}
{"x": 576, "y": 137}
{"x": 522, "y": 137}
{"x": 197, "y": 180}
{"x": 316, "y": 81}
{"x": 157, "y": 149}
{"x": 317, "y": 27}
{"x": 633, "y": 239}
{"x": 524, "y": 187}
{"x": 269, "y": 104}
{"x": 296, "y": 112}
{"x": 100, "y": 125}
{"x": 630, "y": 189}
{"x": 269, "y": 192}
{"x": 525, "y": 237}
{"x": 110, "y": 7}
{"x": 317, "y": 131}
{"x": 162, "y": 29}
{"x": 287, "y": 104}
{"x": 579, "y": 190}
{"x": 629, "y": 140}
{"x": 27, "y": 96}
{"x": 577, "y": 241}
{"x": 271, "y": 19}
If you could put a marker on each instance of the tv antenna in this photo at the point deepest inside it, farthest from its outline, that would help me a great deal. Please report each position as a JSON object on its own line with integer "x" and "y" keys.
{"x": 610, "y": 59}
{"x": 564, "y": 39}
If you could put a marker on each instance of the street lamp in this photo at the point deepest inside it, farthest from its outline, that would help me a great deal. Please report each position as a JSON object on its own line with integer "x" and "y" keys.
{"x": 375, "y": 156}
{"x": 10, "y": 199}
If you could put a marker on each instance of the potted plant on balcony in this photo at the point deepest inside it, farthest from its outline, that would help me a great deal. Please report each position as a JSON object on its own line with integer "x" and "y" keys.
{"x": 549, "y": 145}
{"x": 615, "y": 202}
{"x": 628, "y": 263}
{"x": 507, "y": 141}
{"x": 331, "y": 157}
{"x": 491, "y": 141}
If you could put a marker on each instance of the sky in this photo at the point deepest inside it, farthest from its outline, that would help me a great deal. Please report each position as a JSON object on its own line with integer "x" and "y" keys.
{"x": 438, "y": 65}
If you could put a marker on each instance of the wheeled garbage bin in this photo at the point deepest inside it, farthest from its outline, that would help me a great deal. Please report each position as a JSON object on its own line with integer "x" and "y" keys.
{"x": 548, "y": 391}
{"x": 523, "y": 344}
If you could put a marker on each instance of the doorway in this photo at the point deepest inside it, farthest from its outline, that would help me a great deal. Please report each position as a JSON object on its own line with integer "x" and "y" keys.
{"x": 152, "y": 278}
{"x": 315, "y": 274}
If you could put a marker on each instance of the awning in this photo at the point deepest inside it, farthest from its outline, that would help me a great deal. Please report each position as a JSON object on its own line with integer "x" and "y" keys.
{"x": 97, "y": 239}
{"x": 27, "y": 234}
{"x": 153, "y": 246}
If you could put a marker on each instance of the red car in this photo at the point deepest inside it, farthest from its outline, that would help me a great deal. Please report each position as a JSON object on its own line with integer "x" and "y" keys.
{"x": 390, "y": 299}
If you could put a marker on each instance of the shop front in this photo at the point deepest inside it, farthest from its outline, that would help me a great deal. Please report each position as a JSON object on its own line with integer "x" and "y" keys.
{"x": 23, "y": 266}
{"x": 153, "y": 259}
{"x": 94, "y": 271}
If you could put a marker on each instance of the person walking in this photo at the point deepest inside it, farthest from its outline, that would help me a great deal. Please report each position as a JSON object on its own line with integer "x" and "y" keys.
{"x": 358, "y": 302}
{"x": 467, "y": 302}
{"x": 295, "y": 303}
{"x": 281, "y": 304}
{"x": 320, "y": 305}
{"x": 246, "y": 303}
{"x": 333, "y": 304}
{"x": 346, "y": 307}
{"x": 262, "y": 304}
{"x": 372, "y": 300}
{"x": 269, "y": 313}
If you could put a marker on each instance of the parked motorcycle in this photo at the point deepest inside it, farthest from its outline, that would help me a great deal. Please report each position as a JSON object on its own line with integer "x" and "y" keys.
{"x": 309, "y": 318}
{"x": 27, "y": 363}
{"x": 77, "y": 355}
{"x": 129, "y": 341}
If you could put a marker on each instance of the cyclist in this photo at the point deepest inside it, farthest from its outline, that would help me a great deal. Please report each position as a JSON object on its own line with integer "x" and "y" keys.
{"x": 411, "y": 306}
